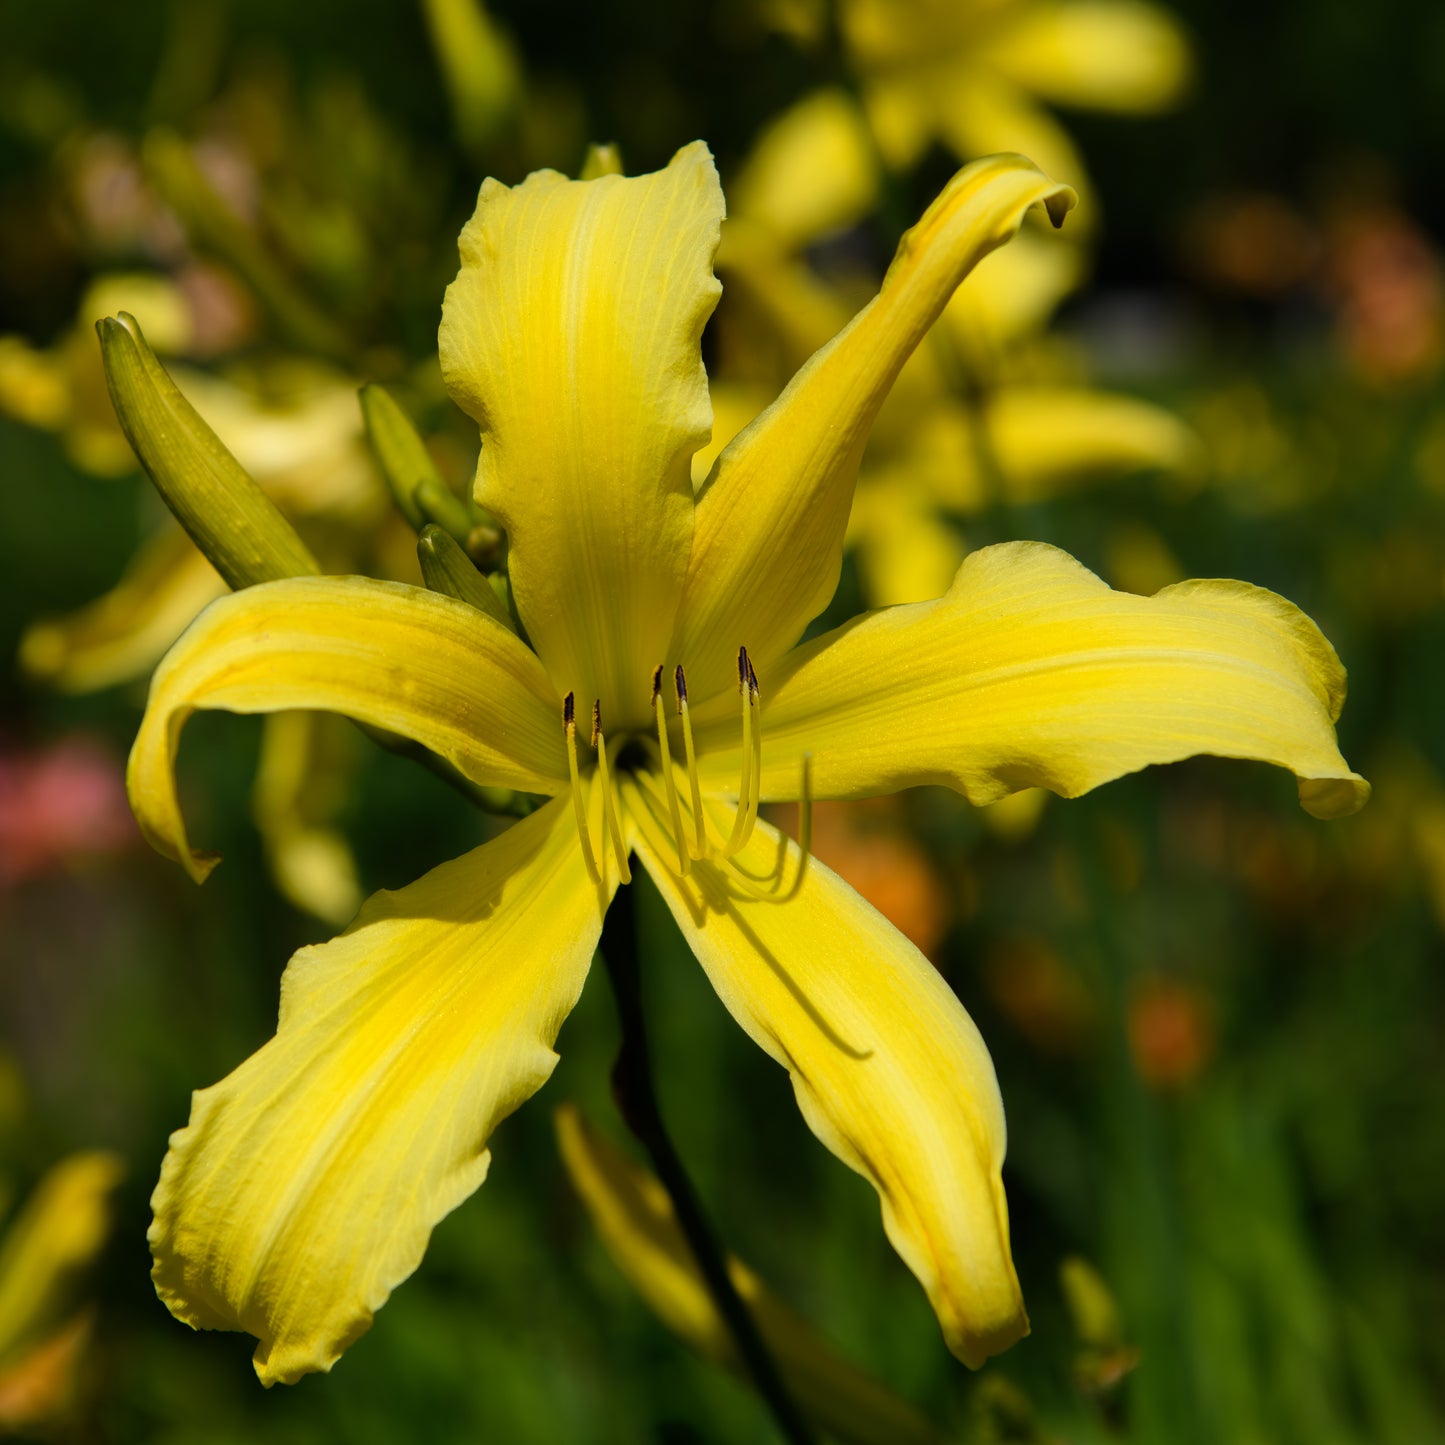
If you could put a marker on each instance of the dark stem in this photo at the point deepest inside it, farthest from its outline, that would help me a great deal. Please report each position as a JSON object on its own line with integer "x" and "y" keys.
{"x": 636, "y": 1097}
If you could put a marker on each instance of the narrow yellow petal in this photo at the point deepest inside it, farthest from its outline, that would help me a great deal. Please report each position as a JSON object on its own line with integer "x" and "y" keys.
{"x": 811, "y": 171}
{"x": 1012, "y": 296}
{"x": 635, "y": 1219}
{"x": 977, "y": 112}
{"x": 301, "y": 782}
{"x": 1118, "y": 55}
{"x": 307, "y": 1182}
{"x": 771, "y": 518}
{"x": 400, "y": 658}
{"x": 572, "y": 335}
{"x": 1032, "y": 672}
{"x": 1043, "y": 438}
{"x": 905, "y": 551}
{"x": 122, "y": 635}
{"x": 889, "y": 1071}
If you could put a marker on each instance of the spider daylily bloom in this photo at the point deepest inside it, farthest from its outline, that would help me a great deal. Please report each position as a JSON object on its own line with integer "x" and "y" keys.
{"x": 662, "y": 696}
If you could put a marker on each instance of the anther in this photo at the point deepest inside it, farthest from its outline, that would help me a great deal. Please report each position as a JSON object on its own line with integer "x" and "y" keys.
{"x": 579, "y": 807}
{"x": 684, "y": 863}
{"x": 679, "y": 679}
{"x": 619, "y": 849}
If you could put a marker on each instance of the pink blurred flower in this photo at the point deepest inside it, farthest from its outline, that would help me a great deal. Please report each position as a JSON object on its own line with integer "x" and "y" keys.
{"x": 59, "y": 804}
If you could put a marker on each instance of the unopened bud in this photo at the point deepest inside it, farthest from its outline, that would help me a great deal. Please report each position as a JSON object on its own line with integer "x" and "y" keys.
{"x": 234, "y": 523}
{"x": 447, "y": 569}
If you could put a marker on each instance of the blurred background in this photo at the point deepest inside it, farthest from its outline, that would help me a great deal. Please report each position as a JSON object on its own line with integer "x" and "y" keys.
{"x": 1219, "y": 1026}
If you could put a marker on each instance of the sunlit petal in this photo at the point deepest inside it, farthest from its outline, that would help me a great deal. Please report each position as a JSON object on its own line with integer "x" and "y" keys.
{"x": 307, "y": 1182}
{"x": 771, "y": 519}
{"x": 572, "y": 334}
{"x": 400, "y": 658}
{"x": 1031, "y": 672}
{"x": 888, "y": 1069}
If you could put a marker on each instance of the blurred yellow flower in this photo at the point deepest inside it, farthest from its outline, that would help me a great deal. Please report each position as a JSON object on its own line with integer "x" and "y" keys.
{"x": 308, "y": 1181}
{"x": 43, "y": 1331}
{"x": 986, "y": 412}
{"x": 976, "y": 74}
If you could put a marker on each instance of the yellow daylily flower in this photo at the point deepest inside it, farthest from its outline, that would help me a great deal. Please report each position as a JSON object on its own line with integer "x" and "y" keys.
{"x": 976, "y": 75}
{"x": 637, "y": 1223}
{"x": 307, "y": 1182}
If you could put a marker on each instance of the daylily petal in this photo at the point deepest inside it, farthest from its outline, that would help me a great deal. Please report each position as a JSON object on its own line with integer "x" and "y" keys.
{"x": 811, "y": 171}
{"x": 904, "y": 550}
{"x": 1119, "y": 55}
{"x": 307, "y": 1182}
{"x": 979, "y": 112}
{"x": 635, "y": 1219}
{"x": 1023, "y": 443}
{"x": 400, "y": 658}
{"x": 768, "y": 543}
{"x": 888, "y": 1069}
{"x": 299, "y": 787}
{"x": 572, "y": 334}
{"x": 1013, "y": 294}
{"x": 1043, "y": 437}
{"x": 1031, "y": 671}
{"x": 123, "y": 634}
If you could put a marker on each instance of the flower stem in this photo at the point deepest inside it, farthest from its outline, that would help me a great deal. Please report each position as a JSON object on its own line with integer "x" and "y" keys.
{"x": 632, "y": 1086}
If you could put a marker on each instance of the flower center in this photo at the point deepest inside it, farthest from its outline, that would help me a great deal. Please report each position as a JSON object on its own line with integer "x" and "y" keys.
{"x": 633, "y": 756}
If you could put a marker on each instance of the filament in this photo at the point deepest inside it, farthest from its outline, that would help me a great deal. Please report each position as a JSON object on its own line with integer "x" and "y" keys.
{"x": 748, "y": 883}
{"x": 684, "y": 862}
{"x": 680, "y": 682}
{"x": 747, "y": 785}
{"x": 619, "y": 848}
{"x": 569, "y": 728}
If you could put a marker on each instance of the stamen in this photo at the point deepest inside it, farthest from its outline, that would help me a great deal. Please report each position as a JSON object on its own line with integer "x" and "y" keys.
{"x": 747, "y": 785}
{"x": 756, "y": 792}
{"x": 579, "y": 807}
{"x": 684, "y": 863}
{"x": 679, "y": 679}
{"x": 619, "y": 849}
{"x": 748, "y": 883}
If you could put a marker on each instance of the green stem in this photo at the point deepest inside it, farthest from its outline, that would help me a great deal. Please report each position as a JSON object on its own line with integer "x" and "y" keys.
{"x": 636, "y": 1096}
